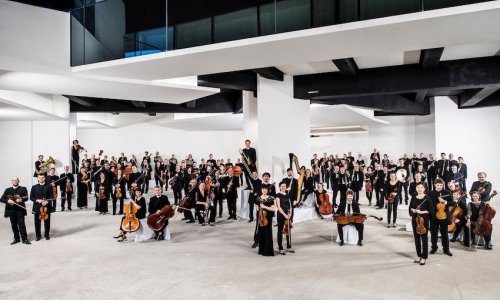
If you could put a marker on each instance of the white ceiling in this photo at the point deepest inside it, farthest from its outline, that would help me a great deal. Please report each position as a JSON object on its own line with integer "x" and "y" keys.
{"x": 13, "y": 113}
{"x": 294, "y": 51}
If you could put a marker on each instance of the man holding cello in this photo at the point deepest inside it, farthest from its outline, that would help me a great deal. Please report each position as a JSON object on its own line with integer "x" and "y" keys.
{"x": 156, "y": 203}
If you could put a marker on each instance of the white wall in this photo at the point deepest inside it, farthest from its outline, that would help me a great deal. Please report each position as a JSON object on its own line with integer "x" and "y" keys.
{"x": 137, "y": 138}
{"x": 472, "y": 134}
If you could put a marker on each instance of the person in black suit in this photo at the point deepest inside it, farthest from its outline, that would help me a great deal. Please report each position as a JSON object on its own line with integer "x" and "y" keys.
{"x": 292, "y": 185}
{"x": 250, "y": 158}
{"x": 156, "y": 203}
{"x": 349, "y": 207}
{"x": 40, "y": 193}
{"x": 37, "y": 165}
{"x": 15, "y": 209}
{"x": 65, "y": 194}
{"x": 254, "y": 194}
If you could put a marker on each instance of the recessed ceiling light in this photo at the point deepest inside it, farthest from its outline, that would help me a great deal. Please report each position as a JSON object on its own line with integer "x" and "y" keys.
{"x": 313, "y": 92}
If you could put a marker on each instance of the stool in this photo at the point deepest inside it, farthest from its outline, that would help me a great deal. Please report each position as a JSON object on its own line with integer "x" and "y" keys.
{"x": 351, "y": 235}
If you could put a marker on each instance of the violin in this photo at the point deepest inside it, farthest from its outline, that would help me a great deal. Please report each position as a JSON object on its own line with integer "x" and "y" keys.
{"x": 287, "y": 228}
{"x": 421, "y": 229}
{"x": 263, "y": 222}
{"x": 102, "y": 193}
{"x": 130, "y": 222}
{"x": 391, "y": 197}
{"x": 325, "y": 207}
{"x": 486, "y": 214}
{"x": 118, "y": 192}
{"x": 69, "y": 187}
{"x": 455, "y": 212}
{"x": 43, "y": 215}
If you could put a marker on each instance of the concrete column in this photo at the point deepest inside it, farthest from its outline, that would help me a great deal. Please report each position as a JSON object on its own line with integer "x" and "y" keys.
{"x": 283, "y": 127}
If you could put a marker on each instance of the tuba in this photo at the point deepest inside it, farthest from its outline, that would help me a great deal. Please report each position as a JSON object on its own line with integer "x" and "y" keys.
{"x": 44, "y": 167}
{"x": 301, "y": 171}
{"x": 401, "y": 175}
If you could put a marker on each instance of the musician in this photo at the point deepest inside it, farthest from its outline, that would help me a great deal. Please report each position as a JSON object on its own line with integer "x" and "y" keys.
{"x": 76, "y": 149}
{"x": 104, "y": 160}
{"x": 40, "y": 195}
{"x": 156, "y": 204}
{"x": 266, "y": 182}
{"x": 82, "y": 182}
{"x": 135, "y": 177}
{"x": 349, "y": 207}
{"x": 284, "y": 208}
{"x": 291, "y": 185}
{"x": 193, "y": 189}
{"x": 256, "y": 185}
{"x": 242, "y": 167}
{"x": 157, "y": 157}
{"x": 431, "y": 170}
{"x": 316, "y": 172}
{"x": 357, "y": 182}
{"x": 440, "y": 195}
{"x": 52, "y": 179}
{"x": 119, "y": 192}
{"x": 378, "y": 184}
{"x": 420, "y": 206}
{"x": 219, "y": 193}
{"x": 263, "y": 236}
{"x": 37, "y": 165}
{"x": 228, "y": 164}
{"x": 404, "y": 184}
{"x": 66, "y": 194}
{"x": 374, "y": 157}
{"x": 102, "y": 195}
{"x": 251, "y": 154}
{"x": 392, "y": 191}
{"x": 140, "y": 203}
{"x": 308, "y": 185}
{"x": 146, "y": 171}
{"x": 443, "y": 166}
{"x": 369, "y": 184}
{"x": 15, "y": 210}
{"x": 455, "y": 177}
{"x": 319, "y": 193}
{"x": 461, "y": 222}
{"x": 177, "y": 183}
{"x": 482, "y": 186}
{"x": 231, "y": 183}
{"x": 462, "y": 169}
{"x": 172, "y": 165}
{"x": 413, "y": 185}
{"x": 335, "y": 180}
{"x": 474, "y": 210}
{"x": 344, "y": 183}
{"x": 323, "y": 163}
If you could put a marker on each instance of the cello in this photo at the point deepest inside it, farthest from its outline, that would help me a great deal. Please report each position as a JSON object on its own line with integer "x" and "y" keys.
{"x": 157, "y": 221}
{"x": 130, "y": 222}
{"x": 325, "y": 207}
{"x": 486, "y": 214}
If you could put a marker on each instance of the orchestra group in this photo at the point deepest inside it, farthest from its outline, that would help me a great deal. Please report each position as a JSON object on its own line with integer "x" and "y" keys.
{"x": 434, "y": 190}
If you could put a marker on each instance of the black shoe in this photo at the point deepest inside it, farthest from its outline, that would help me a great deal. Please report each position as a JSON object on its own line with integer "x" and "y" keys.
{"x": 453, "y": 240}
{"x": 250, "y": 221}
{"x": 341, "y": 243}
{"x": 184, "y": 219}
{"x": 488, "y": 247}
{"x": 38, "y": 238}
{"x": 230, "y": 217}
{"x": 15, "y": 242}
{"x": 255, "y": 245}
{"x": 47, "y": 238}
{"x": 466, "y": 245}
{"x": 190, "y": 221}
{"x": 69, "y": 208}
{"x": 360, "y": 243}
{"x": 211, "y": 224}
{"x": 433, "y": 251}
{"x": 448, "y": 253}
{"x": 219, "y": 217}
{"x": 235, "y": 218}
{"x": 62, "y": 208}
{"x": 26, "y": 242}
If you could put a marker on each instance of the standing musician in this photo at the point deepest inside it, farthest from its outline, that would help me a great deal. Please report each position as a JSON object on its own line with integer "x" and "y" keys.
{"x": 15, "y": 209}
{"x": 356, "y": 182}
{"x": 462, "y": 169}
{"x": 347, "y": 208}
{"x": 172, "y": 165}
{"x": 374, "y": 157}
{"x": 439, "y": 221}
{"x": 76, "y": 149}
{"x": 122, "y": 159}
{"x": 219, "y": 193}
{"x": 37, "y": 166}
{"x": 285, "y": 212}
{"x": 159, "y": 173}
{"x": 254, "y": 194}
{"x": 392, "y": 191}
{"x": 378, "y": 184}
{"x": 201, "y": 203}
{"x": 420, "y": 210}
{"x": 146, "y": 171}
{"x": 51, "y": 178}
{"x": 102, "y": 195}
{"x": 156, "y": 203}
{"x": 413, "y": 185}
{"x": 344, "y": 183}
{"x": 263, "y": 236}
{"x": 482, "y": 186}
{"x": 250, "y": 158}
{"x": 193, "y": 189}
{"x": 369, "y": 184}
{"x": 308, "y": 185}
{"x": 82, "y": 182}
{"x": 404, "y": 185}
{"x": 242, "y": 167}
{"x": 431, "y": 169}
{"x": 66, "y": 187}
{"x": 335, "y": 180}
{"x": 40, "y": 195}
{"x": 460, "y": 222}
{"x": 443, "y": 166}
{"x": 120, "y": 191}
{"x": 291, "y": 185}
{"x": 177, "y": 183}
{"x": 266, "y": 182}
{"x": 135, "y": 177}
{"x": 140, "y": 203}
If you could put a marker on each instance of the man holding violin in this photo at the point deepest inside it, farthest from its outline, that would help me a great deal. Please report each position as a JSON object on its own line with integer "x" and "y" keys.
{"x": 15, "y": 209}
{"x": 40, "y": 195}
{"x": 441, "y": 200}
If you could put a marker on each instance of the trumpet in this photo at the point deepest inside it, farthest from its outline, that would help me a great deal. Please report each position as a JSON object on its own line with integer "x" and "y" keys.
{"x": 44, "y": 167}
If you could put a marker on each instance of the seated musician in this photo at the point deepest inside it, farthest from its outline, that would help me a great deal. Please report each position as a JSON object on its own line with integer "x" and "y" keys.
{"x": 140, "y": 203}
{"x": 320, "y": 191}
{"x": 348, "y": 208}
{"x": 461, "y": 221}
{"x": 156, "y": 203}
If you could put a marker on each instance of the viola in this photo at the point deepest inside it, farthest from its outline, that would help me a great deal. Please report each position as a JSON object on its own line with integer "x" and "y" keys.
{"x": 158, "y": 221}
{"x": 441, "y": 211}
{"x": 325, "y": 207}
{"x": 54, "y": 192}
{"x": 456, "y": 212}
{"x": 263, "y": 222}
{"x": 102, "y": 193}
{"x": 486, "y": 214}
{"x": 421, "y": 229}
{"x": 287, "y": 228}
{"x": 118, "y": 192}
{"x": 130, "y": 222}
{"x": 69, "y": 187}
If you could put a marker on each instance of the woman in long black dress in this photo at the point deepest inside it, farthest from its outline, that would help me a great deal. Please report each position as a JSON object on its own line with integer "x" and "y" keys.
{"x": 421, "y": 206}
{"x": 265, "y": 233}
{"x": 82, "y": 181}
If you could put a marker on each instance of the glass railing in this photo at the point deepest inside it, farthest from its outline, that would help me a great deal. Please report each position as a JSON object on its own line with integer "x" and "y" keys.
{"x": 113, "y": 29}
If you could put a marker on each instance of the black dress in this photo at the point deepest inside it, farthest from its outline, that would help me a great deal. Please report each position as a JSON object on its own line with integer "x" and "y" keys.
{"x": 265, "y": 234}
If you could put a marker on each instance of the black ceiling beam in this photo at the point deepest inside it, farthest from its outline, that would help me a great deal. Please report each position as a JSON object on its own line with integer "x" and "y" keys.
{"x": 191, "y": 104}
{"x": 82, "y": 100}
{"x": 138, "y": 104}
{"x": 420, "y": 96}
{"x": 449, "y": 75}
{"x": 474, "y": 96}
{"x": 429, "y": 58}
{"x": 346, "y": 66}
{"x": 388, "y": 103}
{"x": 272, "y": 73}
{"x": 239, "y": 80}
{"x": 491, "y": 100}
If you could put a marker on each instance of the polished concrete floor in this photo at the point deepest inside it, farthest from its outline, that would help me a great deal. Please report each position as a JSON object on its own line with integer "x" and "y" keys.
{"x": 83, "y": 261}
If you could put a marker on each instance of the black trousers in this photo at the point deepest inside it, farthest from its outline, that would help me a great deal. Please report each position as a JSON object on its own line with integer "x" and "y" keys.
{"x": 335, "y": 190}
{"x": 188, "y": 214}
{"x": 343, "y": 190}
{"x": 38, "y": 225}
{"x": 18, "y": 226}
{"x": 379, "y": 195}
{"x": 177, "y": 196}
{"x": 369, "y": 195}
{"x": 421, "y": 243}
{"x": 281, "y": 225}
{"x": 115, "y": 200}
{"x": 74, "y": 165}
{"x": 231, "y": 205}
{"x": 359, "y": 227}
{"x": 487, "y": 238}
{"x": 199, "y": 211}
{"x": 145, "y": 186}
{"x": 392, "y": 208}
{"x": 218, "y": 204}
{"x": 405, "y": 191}
{"x": 251, "y": 203}
{"x": 442, "y": 227}
{"x": 430, "y": 182}
{"x": 68, "y": 198}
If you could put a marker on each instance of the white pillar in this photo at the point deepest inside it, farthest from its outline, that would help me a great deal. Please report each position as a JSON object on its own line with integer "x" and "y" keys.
{"x": 283, "y": 127}
{"x": 250, "y": 129}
